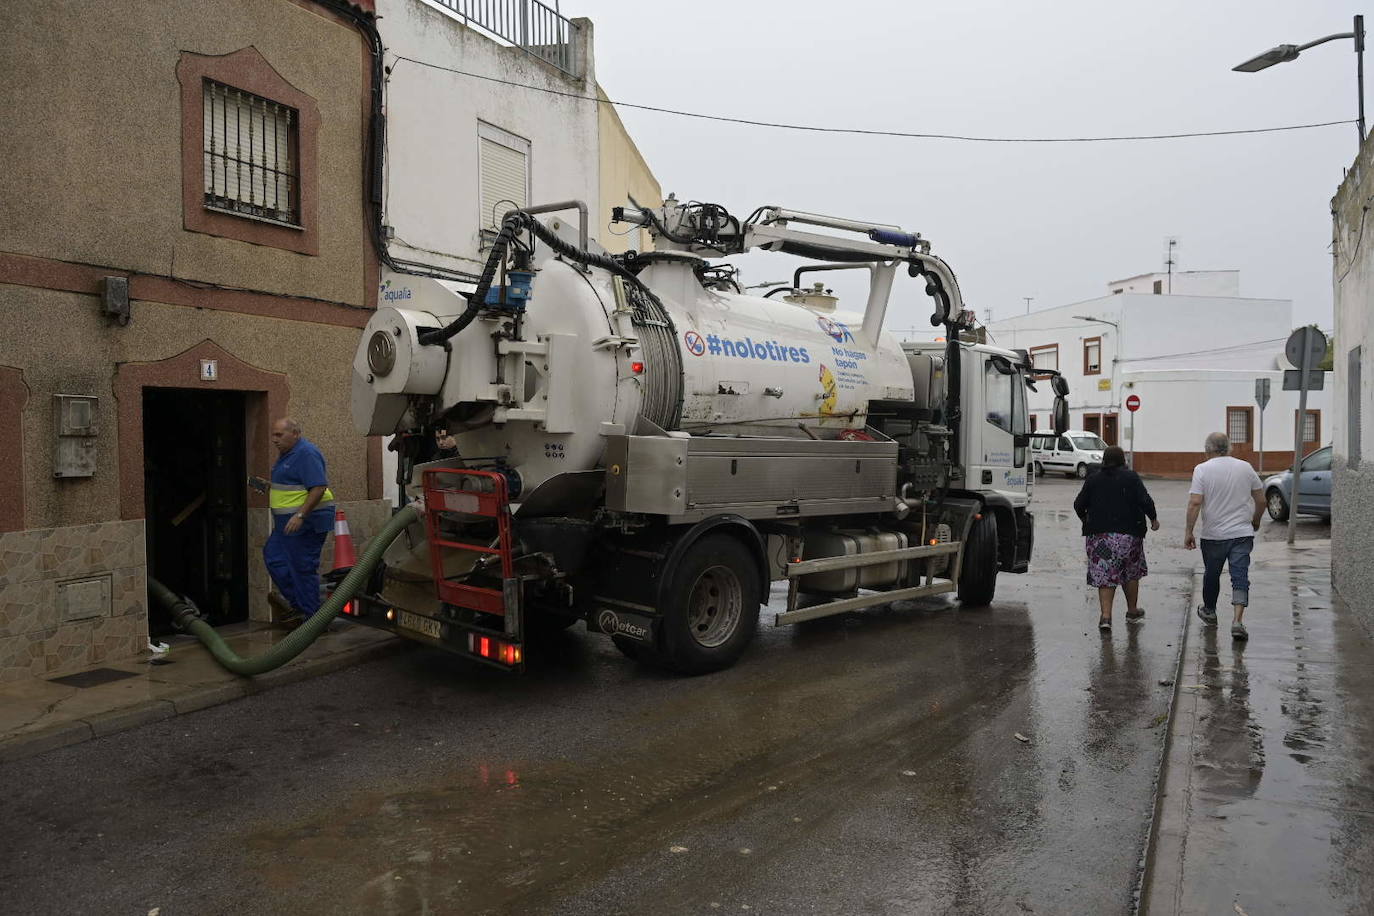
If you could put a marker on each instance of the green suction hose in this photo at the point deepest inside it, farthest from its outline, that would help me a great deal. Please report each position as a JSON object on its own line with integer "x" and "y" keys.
{"x": 186, "y": 617}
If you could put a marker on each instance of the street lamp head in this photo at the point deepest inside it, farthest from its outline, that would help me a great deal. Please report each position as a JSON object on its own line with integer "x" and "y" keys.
{"x": 1281, "y": 54}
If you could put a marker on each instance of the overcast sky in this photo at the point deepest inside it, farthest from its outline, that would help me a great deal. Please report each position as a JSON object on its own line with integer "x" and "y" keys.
{"x": 1052, "y": 221}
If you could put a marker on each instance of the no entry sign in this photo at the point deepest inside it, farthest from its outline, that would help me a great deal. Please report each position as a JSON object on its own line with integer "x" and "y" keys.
{"x": 1133, "y": 403}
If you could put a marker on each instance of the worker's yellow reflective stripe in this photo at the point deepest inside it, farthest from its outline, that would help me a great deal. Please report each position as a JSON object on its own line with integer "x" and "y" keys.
{"x": 285, "y": 498}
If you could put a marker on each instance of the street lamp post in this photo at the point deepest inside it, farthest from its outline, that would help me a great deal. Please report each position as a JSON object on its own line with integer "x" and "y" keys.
{"x": 1116, "y": 377}
{"x": 1284, "y": 53}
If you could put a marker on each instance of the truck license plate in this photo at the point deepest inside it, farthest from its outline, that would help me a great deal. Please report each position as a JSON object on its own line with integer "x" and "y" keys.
{"x": 423, "y": 625}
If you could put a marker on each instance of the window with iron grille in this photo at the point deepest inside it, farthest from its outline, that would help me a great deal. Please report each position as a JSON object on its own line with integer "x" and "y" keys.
{"x": 1238, "y": 425}
{"x": 1311, "y": 426}
{"x": 251, "y": 159}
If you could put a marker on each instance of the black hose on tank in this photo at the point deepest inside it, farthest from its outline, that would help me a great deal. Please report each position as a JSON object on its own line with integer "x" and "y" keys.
{"x": 517, "y": 221}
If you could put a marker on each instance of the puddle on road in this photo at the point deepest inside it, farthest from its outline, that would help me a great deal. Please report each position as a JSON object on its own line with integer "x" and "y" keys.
{"x": 503, "y": 834}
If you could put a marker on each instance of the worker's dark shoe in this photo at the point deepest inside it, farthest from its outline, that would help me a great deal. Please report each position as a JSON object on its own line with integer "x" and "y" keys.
{"x": 1207, "y": 615}
{"x": 1238, "y": 632}
{"x": 290, "y": 621}
{"x": 280, "y": 606}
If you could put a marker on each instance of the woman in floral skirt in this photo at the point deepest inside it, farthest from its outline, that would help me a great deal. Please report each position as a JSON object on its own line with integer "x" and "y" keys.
{"x": 1114, "y": 505}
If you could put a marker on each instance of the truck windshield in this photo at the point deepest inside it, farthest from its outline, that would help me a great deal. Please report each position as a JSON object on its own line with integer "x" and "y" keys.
{"x": 1089, "y": 443}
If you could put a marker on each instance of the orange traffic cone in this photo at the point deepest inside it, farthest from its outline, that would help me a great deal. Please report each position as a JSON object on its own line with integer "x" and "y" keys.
{"x": 345, "y": 557}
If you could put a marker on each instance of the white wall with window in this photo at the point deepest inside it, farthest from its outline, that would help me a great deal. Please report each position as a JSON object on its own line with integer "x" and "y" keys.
{"x": 459, "y": 148}
{"x": 1188, "y": 357}
{"x": 1180, "y": 407}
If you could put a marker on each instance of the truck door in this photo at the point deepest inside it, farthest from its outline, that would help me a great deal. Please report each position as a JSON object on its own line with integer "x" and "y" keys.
{"x": 1004, "y": 410}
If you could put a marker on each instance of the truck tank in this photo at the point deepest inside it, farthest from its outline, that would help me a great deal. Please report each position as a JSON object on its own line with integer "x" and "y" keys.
{"x": 537, "y": 387}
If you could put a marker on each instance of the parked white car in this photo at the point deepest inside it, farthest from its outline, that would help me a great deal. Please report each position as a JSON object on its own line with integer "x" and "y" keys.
{"x": 1075, "y": 453}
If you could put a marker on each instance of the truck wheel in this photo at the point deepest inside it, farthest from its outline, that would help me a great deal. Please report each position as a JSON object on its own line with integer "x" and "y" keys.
{"x": 1081, "y": 472}
{"x": 978, "y": 575}
{"x": 712, "y": 609}
{"x": 1039, "y": 469}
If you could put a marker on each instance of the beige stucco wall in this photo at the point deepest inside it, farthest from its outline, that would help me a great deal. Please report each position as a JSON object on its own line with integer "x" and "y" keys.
{"x": 92, "y": 143}
{"x": 65, "y": 348}
{"x": 624, "y": 174}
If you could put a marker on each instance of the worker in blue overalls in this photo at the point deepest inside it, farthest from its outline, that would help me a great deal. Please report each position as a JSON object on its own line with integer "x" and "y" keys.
{"x": 302, "y": 517}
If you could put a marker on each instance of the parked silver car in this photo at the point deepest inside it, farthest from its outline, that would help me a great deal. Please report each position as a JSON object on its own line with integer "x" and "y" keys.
{"x": 1314, "y": 488}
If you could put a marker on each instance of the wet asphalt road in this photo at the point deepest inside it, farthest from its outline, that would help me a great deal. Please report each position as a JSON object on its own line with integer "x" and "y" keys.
{"x": 867, "y": 764}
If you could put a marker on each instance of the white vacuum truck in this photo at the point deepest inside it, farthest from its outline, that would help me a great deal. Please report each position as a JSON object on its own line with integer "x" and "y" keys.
{"x": 645, "y": 447}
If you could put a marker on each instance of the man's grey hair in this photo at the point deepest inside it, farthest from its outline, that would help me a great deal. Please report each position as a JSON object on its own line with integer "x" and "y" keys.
{"x": 294, "y": 425}
{"x": 1217, "y": 444}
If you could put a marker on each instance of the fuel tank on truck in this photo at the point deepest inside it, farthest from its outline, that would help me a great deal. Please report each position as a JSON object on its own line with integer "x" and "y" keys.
{"x": 590, "y": 355}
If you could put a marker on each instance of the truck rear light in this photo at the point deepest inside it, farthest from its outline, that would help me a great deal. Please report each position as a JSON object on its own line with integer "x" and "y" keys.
{"x": 391, "y": 614}
{"x": 636, "y": 367}
{"x": 494, "y": 649}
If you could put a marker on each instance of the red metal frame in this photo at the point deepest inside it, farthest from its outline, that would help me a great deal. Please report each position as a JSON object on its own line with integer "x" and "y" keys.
{"x": 493, "y": 502}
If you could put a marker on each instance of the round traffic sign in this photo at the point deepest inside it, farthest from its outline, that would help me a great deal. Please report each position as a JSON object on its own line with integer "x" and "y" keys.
{"x": 1310, "y": 339}
{"x": 1133, "y": 403}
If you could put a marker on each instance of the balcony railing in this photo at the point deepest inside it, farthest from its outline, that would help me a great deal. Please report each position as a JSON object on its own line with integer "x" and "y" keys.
{"x": 535, "y": 28}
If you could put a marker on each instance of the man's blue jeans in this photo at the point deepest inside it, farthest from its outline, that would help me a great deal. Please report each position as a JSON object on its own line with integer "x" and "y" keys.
{"x": 1234, "y": 553}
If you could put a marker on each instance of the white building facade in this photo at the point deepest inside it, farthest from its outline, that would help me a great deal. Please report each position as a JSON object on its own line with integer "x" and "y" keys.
{"x": 1192, "y": 359}
{"x": 489, "y": 108}
{"x": 512, "y": 129}
{"x": 1352, "y": 519}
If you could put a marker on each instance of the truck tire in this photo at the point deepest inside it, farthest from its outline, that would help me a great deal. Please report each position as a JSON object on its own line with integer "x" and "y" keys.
{"x": 1039, "y": 469}
{"x": 978, "y": 575}
{"x": 711, "y": 610}
{"x": 1081, "y": 472}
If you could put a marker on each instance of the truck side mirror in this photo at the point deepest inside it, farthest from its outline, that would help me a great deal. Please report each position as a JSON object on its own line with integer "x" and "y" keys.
{"x": 1060, "y": 413}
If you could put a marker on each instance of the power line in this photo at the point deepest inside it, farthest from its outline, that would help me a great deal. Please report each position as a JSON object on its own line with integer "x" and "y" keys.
{"x": 911, "y": 135}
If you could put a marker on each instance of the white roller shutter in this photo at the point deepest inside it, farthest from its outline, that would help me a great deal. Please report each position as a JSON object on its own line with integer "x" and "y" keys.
{"x": 505, "y": 166}
{"x": 248, "y": 153}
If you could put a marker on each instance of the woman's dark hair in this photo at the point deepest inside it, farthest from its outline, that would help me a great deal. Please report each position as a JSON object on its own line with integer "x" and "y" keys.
{"x": 1114, "y": 457}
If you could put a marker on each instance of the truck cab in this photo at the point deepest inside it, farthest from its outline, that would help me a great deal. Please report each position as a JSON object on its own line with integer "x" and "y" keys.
{"x": 993, "y": 436}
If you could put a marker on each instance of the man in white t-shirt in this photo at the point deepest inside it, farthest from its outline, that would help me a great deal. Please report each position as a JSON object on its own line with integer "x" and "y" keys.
{"x": 1227, "y": 494}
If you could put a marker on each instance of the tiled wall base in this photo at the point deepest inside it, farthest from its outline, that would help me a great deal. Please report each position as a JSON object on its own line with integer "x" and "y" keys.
{"x": 71, "y": 598}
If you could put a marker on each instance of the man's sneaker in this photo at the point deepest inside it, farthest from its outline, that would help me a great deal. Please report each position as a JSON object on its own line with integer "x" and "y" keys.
{"x": 1207, "y": 615}
{"x": 1238, "y": 631}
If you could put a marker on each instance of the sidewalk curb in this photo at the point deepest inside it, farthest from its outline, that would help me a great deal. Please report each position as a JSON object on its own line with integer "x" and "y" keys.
{"x": 114, "y": 721}
{"x": 1149, "y": 852}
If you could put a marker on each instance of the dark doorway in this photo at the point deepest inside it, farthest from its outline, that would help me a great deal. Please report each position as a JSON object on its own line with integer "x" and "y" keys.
{"x": 195, "y": 500}
{"x": 1092, "y": 423}
{"x": 1109, "y": 429}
